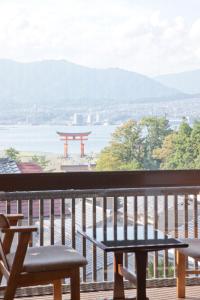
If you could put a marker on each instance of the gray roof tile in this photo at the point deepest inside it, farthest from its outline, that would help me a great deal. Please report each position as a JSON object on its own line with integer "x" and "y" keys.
{"x": 8, "y": 166}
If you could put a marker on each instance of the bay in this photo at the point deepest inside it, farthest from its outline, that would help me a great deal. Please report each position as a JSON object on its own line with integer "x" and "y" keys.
{"x": 44, "y": 138}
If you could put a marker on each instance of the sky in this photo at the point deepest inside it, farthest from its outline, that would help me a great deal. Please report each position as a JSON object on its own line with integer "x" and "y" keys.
{"x": 151, "y": 37}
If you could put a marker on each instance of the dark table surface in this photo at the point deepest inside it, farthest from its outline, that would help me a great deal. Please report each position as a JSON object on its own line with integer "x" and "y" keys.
{"x": 140, "y": 239}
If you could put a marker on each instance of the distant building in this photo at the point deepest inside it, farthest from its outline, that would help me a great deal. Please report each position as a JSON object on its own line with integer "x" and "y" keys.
{"x": 78, "y": 119}
{"x": 29, "y": 167}
{"x": 97, "y": 119}
{"x": 93, "y": 118}
{"x": 8, "y": 166}
{"x": 80, "y": 167}
{"x": 89, "y": 119}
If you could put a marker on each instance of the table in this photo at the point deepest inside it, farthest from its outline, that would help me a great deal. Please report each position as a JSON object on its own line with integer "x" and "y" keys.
{"x": 140, "y": 246}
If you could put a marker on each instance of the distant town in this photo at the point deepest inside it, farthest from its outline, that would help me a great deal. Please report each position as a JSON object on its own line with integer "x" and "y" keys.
{"x": 174, "y": 110}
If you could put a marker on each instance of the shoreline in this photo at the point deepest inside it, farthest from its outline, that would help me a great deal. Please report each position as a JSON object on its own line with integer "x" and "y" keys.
{"x": 55, "y": 161}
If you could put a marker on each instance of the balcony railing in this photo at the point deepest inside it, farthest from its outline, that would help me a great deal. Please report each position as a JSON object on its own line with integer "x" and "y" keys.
{"x": 59, "y": 204}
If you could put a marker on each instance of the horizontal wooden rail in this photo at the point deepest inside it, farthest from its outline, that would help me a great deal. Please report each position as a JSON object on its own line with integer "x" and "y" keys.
{"x": 98, "y": 180}
{"x": 117, "y": 192}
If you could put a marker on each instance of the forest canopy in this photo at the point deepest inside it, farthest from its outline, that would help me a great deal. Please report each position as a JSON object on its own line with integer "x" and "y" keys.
{"x": 150, "y": 144}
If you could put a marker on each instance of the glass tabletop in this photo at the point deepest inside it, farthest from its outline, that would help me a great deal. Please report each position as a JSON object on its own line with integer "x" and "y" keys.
{"x": 136, "y": 238}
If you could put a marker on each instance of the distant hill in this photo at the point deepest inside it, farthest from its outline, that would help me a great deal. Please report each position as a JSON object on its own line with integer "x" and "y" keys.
{"x": 54, "y": 82}
{"x": 187, "y": 82}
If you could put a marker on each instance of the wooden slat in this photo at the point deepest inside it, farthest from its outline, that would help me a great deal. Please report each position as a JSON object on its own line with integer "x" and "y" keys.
{"x": 8, "y": 204}
{"x": 115, "y": 200}
{"x": 135, "y": 212}
{"x": 146, "y": 220}
{"x": 155, "y": 236}
{"x": 195, "y": 216}
{"x": 195, "y": 224}
{"x": 19, "y": 206}
{"x": 94, "y": 220}
{"x": 186, "y": 216}
{"x": 52, "y": 221}
{"x": 105, "y": 276}
{"x": 186, "y": 220}
{"x": 63, "y": 221}
{"x": 166, "y": 265}
{"x": 175, "y": 216}
{"x": 73, "y": 224}
{"x": 145, "y": 217}
{"x": 30, "y": 218}
{"x": 125, "y": 225}
{"x": 175, "y": 228}
{"x": 84, "y": 229}
{"x": 41, "y": 219}
{"x": 125, "y": 218}
{"x": 30, "y": 212}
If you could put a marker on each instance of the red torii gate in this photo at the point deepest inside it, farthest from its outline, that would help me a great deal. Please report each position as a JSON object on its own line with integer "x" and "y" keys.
{"x": 81, "y": 136}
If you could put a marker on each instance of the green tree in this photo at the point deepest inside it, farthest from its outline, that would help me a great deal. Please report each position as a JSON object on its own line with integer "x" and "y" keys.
{"x": 165, "y": 152}
{"x": 13, "y": 154}
{"x": 125, "y": 151}
{"x": 107, "y": 161}
{"x": 195, "y": 142}
{"x": 177, "y": 151}
{"x": 155, "y": 129}
{"x": 151, "y": 144}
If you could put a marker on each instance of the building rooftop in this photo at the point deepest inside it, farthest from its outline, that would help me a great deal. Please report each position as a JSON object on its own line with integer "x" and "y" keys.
{"x": 29, "y": 167}
{"x": 8, "y": 166}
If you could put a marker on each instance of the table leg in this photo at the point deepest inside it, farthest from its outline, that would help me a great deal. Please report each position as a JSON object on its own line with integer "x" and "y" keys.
{"x": 118, "y": 279}
{"x": 141, "y": 265}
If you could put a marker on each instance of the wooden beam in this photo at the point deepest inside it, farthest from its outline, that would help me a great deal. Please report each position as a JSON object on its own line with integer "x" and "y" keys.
{"x": 101, "y": 180}
{"x": 192, "y": 272}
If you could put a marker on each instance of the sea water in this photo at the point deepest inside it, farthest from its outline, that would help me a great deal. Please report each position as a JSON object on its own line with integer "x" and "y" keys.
{"x": 44, "y": 138}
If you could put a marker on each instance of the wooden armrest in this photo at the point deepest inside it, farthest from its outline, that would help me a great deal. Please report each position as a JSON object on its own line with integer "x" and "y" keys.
{"x": 19, "y": 229}
{"x": 14, "y": 217}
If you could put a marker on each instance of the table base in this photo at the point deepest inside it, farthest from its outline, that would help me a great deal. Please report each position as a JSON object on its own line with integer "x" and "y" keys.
{"x": 139, "y": 279}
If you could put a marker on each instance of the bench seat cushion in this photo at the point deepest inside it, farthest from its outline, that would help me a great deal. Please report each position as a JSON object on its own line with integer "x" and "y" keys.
{"x": 49, "y": 258}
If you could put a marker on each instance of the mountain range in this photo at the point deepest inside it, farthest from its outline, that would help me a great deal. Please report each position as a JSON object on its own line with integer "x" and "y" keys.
{"x": 59, "y": 82}
{"x": 187, "y": 82}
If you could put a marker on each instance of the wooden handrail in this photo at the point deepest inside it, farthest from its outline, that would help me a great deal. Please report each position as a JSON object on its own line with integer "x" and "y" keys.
{"x": 98, "y": 180}
{"x": 20, "y": 229}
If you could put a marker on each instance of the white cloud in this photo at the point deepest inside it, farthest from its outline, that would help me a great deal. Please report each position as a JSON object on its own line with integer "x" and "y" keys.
{"x": 99, "y": 33}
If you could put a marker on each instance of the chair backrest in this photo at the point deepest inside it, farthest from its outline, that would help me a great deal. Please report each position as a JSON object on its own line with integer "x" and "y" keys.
{"x": 4, "y": 223}
{"x": 9, "y": 226}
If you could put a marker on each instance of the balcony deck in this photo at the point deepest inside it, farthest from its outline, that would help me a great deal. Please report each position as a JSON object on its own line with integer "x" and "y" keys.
{"x": 192, "y": 293}
{"x": 58, "y": 204}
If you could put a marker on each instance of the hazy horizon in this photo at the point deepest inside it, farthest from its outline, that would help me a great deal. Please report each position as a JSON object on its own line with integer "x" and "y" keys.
{"x": 149, "y": 38}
